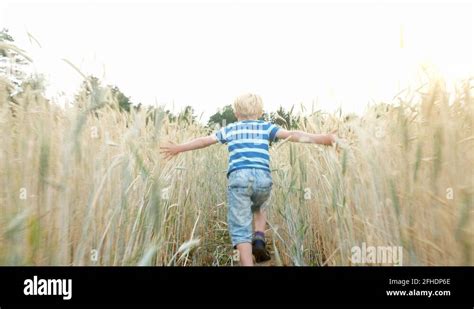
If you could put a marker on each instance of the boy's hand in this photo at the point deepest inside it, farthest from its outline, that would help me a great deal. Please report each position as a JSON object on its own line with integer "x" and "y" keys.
{"x": 170, "y": 150}
{"x": 333, "y": 136}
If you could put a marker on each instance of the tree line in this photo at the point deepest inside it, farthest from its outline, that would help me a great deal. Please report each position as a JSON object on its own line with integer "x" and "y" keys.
{"x": 16, "y": 68}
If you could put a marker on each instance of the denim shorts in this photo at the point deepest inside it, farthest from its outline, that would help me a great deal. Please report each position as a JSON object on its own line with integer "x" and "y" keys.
{"x": 248, "y": 191}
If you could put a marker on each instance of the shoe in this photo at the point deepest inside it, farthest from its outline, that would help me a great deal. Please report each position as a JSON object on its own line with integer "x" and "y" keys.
{"x": 259, "y": 251}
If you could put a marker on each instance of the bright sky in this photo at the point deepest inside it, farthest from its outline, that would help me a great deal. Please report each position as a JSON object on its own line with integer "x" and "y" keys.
{"x": 205, "y": 54}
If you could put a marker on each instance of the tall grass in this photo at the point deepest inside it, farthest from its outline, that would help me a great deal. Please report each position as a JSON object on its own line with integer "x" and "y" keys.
{"x": 86, "y": 185}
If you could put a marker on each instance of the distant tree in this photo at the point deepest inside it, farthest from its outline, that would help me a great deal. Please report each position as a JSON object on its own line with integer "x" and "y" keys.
{"x": 35, "y": 82}
{"x": 13, "y": 65}
{"x": 93, "y": 86}
{"x": 171, "y": 117}
{"x": 137, "y": 107}
{"x": 223, "y": 117}
{"x": 265, "y": 116}
{"x": 124, "y": 101}
{"x": 89, "y": 86}
{"x": 280, "y": 117}
{"x": 187, "y": 115}
{"x": 284, "y": 118}
{"x": 5, "y": 36}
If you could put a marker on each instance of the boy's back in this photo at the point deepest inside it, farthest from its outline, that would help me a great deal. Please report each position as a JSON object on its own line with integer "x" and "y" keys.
{"x": 248, "y": 143}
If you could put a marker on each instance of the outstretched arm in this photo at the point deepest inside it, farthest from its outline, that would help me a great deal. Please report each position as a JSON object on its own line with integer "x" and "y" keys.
{"x": 304, "y": 137}
{"x": 173, "y": 149}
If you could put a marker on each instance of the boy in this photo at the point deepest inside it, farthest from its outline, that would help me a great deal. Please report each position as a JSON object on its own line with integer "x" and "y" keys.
{"x": 249, "y": 176}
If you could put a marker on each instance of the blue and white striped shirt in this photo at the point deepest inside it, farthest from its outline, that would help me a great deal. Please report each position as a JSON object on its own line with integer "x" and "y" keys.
{"x": 248, "y": 142}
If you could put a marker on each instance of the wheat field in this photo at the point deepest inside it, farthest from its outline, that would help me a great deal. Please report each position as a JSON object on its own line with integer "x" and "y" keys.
{"x": 85, "y": 184}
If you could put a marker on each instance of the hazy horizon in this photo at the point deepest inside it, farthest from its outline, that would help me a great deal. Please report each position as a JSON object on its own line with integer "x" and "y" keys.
{"x": 205, "y": 54}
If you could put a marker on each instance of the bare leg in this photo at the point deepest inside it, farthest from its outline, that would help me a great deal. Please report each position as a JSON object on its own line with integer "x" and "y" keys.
{"x": 245, "y": 250}
{"x": 260, "y": 220}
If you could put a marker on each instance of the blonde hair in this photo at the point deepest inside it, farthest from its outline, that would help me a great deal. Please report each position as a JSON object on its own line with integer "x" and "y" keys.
{"x": 248, "y": 106}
